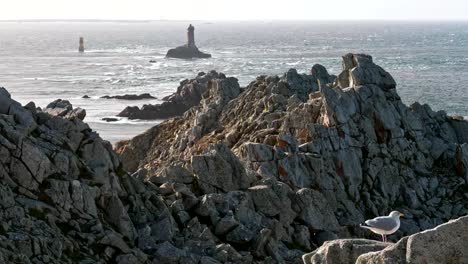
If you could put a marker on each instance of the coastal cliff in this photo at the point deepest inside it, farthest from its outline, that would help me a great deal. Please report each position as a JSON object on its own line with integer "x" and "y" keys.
{"x": 314, "y": 155}
{"x": 261, "y": 174}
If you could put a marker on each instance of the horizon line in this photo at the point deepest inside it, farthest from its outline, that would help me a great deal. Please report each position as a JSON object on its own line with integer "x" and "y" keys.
{"x": 230, "y": 20}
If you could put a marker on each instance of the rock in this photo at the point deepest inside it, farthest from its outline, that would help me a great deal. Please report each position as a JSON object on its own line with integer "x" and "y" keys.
{"x": 361, "y": 71}
{"x": 85, "y": 96}
{"x": 188, "y": 94}
{"x": 117, "y": 215}
{"x": 189, "y": 50}
{"x": 64, "y": 108}
{"x": 167, "y": 253}
{"x": 312, "y": 209}
{"x": 116, "y": 241}
{"x": 443, "y": 244}
{"x": 342, "y": 251}
{"x": 460, "y": 126}
{"x": 110, "y": 119}
{"x": 289, "y": 162}
{"x": 321, "y": 74}
{"x": 240, "y": 235}
{"x": 257, "y": 152}
{"x": 129, "y": 96}
{"x": 184, "y": 52}
{"x": 230, "y": 174}
{"x": 226, "y": 224}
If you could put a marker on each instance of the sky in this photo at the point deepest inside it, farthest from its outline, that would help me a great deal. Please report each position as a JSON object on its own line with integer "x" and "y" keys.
{"x": 235, "y": 9}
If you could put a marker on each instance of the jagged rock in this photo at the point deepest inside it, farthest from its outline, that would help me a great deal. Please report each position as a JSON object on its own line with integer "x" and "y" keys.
{"x": 255, "y": 175}
{"x": 361, "y": 70}
{"x": 5, "y": 101}
{"x": 220, "y": 161}
{"x": 64, "y": 108}
{"x": 321, "y": 74}
{"x": 226, "y": 224}
{"x": 167, "y": 253}
{"x": 240, "y": 235}
{"x": 255, "y": 152}
{"x": 116, "y": 241}
{"x": 313, "y": 209}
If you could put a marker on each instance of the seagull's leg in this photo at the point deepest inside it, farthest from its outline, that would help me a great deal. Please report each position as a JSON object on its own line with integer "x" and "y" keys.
{"x": 383, "y": 238}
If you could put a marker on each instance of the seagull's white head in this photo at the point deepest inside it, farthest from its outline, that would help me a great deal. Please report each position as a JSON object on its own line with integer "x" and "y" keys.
{"x": 396, "y": 214}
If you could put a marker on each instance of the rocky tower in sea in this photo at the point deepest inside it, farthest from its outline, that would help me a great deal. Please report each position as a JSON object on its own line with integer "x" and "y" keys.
{"x": 189, "y": 50}
{"x": 260, "y": 174}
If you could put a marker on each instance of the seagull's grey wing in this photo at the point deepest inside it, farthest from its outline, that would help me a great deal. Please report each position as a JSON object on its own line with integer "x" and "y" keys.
{"x": 383, "y": 223}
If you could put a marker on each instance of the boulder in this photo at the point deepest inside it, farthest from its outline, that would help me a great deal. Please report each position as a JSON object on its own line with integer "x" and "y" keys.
{"x": 447, "y": 243}
{"x": 220, "y": 169}
{"x": 342, "y": 251}
{"x": 359, "y": 69}
{"x": 63, "y": 108}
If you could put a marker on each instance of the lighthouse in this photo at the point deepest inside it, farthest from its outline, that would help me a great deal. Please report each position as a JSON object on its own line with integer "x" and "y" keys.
{"x": 188, "y": 50}
{"x": 81, "y": 47}
{"x": 191, "y": 36}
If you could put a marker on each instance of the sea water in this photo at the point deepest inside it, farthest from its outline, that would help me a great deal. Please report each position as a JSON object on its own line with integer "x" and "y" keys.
{"x": 40, "y": 62}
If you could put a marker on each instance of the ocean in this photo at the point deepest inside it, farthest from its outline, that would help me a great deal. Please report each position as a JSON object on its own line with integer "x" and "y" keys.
{"x": 39, "y": 61}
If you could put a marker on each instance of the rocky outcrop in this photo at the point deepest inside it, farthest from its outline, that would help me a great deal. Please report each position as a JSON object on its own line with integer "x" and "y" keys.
{"x": 446, "y": 243}
{"x": 187, "y": 52}
{"x": 60, "y": 189}
{"x": 129, "y": 96}
{"x": 325, "y": 153}
{"x": 255, "y": 175}
{"x": 188, "y": 94}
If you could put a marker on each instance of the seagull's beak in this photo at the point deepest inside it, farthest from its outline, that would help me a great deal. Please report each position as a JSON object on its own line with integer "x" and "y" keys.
{"x": 401, "y": 215}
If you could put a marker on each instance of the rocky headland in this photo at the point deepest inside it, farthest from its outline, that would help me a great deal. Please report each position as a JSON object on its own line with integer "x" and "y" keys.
{"x": 261, "y": 174}
{"x": 188, "y": 94}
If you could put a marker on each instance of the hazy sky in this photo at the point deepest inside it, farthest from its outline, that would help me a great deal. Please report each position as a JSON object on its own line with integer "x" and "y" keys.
{"x": 235, "y": 9}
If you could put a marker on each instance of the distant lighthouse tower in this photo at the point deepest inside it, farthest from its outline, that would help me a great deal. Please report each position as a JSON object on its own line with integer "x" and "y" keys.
{"x": 81, "y": 47}
{"x": 191, "y": 36}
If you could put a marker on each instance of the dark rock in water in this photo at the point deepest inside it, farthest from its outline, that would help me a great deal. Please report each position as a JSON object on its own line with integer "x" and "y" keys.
{"x": 152, "y": 61}
{"x": 110, "y": 119}
{"x": 129, "y": 96}
{"x": 85, "y": 96}
{"x": 188, "y": 94}
{"x": 185, "y": 52}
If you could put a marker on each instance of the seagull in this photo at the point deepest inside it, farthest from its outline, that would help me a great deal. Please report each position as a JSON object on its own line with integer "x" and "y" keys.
{"x": 384, "y": 225}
